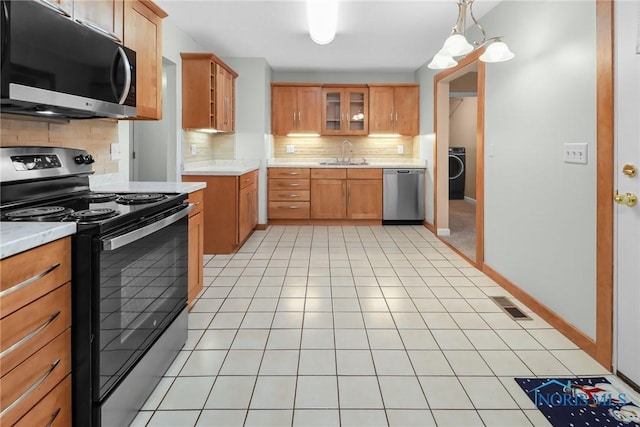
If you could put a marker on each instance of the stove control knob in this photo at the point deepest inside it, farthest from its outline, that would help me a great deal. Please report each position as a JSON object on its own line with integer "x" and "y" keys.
{"x": 84, "y": 159}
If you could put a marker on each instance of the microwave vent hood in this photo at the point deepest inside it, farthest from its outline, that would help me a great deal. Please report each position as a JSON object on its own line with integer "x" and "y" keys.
{"x": 55, "y": 68}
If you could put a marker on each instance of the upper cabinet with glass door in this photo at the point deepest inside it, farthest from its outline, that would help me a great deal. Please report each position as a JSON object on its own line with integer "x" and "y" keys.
{"x": 345, "y": 110}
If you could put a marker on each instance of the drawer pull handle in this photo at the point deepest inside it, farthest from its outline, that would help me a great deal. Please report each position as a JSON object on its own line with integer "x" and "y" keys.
{"x": 53, "y": 417}
{"x": 27, "y": 282}
{"x": 293, "y": 195}
{"x": 289, "y": 207}
{"x": 293, "y": 185}
{"x": 292, "y": 173}
{"x": 31, "y": 389}
{"x": 199, "y": 202}
{"x": 30, "y": 335}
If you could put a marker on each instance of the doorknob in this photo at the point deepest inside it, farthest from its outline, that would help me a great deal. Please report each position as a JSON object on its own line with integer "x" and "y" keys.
{"x": 628, "y": 199}
{"x": 630, "y": 170}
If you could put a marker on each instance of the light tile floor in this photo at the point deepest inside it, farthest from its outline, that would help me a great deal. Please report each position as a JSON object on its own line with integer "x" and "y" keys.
{"x": 355, "y": 326}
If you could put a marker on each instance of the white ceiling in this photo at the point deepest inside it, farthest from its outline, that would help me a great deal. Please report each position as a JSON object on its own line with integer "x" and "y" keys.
{"x": 373, "y": 35}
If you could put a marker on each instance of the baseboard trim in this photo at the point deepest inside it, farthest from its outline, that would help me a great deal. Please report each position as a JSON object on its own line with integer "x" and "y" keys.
{"x": 325, "y": 222}
{"x": 262, "y": 226}
{"x": 550, "y": 316}
{"x": 444, "y": 232}
{"x": 469, "y": 200}
{"x": 429, "y": 227}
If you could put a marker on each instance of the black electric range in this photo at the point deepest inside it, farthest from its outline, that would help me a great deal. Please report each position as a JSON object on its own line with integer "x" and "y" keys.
{"x": 129, "y": 276}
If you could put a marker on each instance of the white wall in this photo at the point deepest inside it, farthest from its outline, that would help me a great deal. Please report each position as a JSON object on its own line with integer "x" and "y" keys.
{"x": 253, "y": 118}
{"x": 540, "y": 213}
{"x": 174, "y": 41}
{"x": 424, "y": 76}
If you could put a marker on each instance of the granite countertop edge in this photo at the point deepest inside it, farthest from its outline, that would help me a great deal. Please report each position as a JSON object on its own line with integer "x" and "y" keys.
{"x": 23, "y": 236}
{"x": 150, "y": 186}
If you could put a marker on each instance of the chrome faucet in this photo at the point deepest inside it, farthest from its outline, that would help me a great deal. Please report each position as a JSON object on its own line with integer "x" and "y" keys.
{"x": 344, "y": 159}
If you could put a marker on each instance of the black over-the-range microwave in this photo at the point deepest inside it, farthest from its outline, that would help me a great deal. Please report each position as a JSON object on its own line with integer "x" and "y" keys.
{"x": 53, "y": 66}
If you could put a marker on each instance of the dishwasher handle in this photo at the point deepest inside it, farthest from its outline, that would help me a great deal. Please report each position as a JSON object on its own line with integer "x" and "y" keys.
{"x": 416, "y": 171}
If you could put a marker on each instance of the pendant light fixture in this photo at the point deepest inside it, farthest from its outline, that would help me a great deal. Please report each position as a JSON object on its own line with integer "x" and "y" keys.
{"x": 322, "y": 17}
{"x": 456, "y": 45}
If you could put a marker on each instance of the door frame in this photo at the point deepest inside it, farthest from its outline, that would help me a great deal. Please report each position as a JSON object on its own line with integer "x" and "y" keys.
{"x": 441, "y": 150}
{"x": 601, "y": 348}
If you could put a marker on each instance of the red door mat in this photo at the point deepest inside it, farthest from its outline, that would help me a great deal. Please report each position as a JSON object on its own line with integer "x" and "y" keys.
{"x": 577, "y": 402}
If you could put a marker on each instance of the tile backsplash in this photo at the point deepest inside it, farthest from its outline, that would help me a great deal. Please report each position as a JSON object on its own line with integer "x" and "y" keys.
{"x": 208, "y": 146}
{"x": 331, "y": 147}
{"x": 95, "y": 136}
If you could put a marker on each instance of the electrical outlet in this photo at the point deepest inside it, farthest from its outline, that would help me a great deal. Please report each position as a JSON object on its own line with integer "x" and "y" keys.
{"x": 194, "y": 149}
{"x": 291, "y": 148}
{"x": 115, "y": 151}
{"x": 400, "y": 149}
{"x": 575, "y": 153}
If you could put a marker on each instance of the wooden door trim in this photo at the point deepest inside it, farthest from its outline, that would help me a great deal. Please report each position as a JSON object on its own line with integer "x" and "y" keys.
{"x": 446, "y": 76}
{"x": 605, "y": 170}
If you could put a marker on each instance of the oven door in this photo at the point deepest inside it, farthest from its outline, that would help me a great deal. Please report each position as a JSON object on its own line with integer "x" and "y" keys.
{"x": 143, "y": 287}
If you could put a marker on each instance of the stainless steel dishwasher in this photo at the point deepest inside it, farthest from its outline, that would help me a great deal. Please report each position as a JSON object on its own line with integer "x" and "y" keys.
{"x": 403, "y": 196}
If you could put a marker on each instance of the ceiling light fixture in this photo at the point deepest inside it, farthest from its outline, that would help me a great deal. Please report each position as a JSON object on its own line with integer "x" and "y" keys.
{"x": 457, "y": 44}
{"x": 322, "y": 17}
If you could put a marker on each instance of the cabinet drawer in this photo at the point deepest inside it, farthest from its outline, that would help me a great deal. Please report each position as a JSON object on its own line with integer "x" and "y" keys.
{"x": 29, "y": 275}
{"x": 288, "y": 173}
{"x": 33, "y": 326}
{"x": 52, "y": 411}
{"x": 288, "y": 210}
{"x": 329, "y": 173}
{"x": 197, "y": 198}
{"x": 357, "y": 173}
{"x": 248, "y": 178}
{"x": 288, "y": 184}
{"x": 290, "y": 195}
{"x": 30, "y": 381}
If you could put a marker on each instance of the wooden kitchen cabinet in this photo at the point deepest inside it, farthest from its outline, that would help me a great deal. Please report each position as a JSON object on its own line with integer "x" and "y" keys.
{"x": 345, "y": 110}
{"x": 143, "y": 33}
{"x": 35, "y": 335}
{"x": 208, "y": 92}
{"x": 364, "y": 193}
{"x": 196, "y": 246}
{"x": 346, "y": 194}
{"x": 289, "y": 193}
{"x": 296, "y": 109}
{"x": 223, "y": 233}
{"x": 104, "y": 16}
{"x": 394, "y": 109}
{"x": 248, "y": 205}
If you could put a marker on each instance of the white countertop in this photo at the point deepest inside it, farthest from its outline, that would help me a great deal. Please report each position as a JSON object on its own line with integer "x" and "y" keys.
{"x": 16, "y": 237}
{"x": 150, "y": 187}
{"x": 221, "y": 167}
{"x": 371, "y": 163}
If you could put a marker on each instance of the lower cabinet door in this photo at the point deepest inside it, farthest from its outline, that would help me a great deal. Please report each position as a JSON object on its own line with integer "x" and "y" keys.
{"x": 245, "y": 213}
{"x": 328, "y": 198}
{"x": 364, "y": 199}
{"x": 196, "y": 253}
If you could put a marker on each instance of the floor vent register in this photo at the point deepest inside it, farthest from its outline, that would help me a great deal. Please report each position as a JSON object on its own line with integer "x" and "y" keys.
{"x": 510, "y": 308}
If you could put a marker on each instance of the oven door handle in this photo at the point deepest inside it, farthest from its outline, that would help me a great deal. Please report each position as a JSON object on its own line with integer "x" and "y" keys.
{"x": 125, "y": 239}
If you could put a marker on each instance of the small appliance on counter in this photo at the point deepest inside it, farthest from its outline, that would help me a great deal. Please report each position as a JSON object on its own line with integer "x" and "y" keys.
{"x": 129, "y": 276}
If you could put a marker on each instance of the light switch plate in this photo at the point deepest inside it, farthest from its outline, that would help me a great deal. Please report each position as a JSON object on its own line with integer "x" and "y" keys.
{"x": 291, "y": 148}
{"x": 400, "y": 149}
{"x": 115, "y": 151}
{"x": 194, "y": 149}
{"x": 575, "y": 152}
